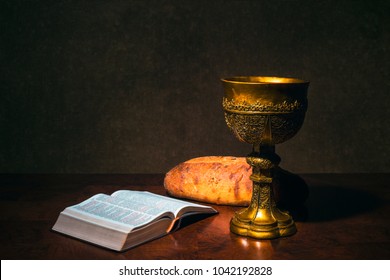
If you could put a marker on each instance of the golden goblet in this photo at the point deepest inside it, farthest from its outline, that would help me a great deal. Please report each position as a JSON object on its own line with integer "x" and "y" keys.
{"x": 264, "y": 111}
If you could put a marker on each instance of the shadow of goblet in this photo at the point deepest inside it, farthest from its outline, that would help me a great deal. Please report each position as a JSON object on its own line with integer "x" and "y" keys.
{"x": 320, "y": 202}
{"x": 327, "y": 203}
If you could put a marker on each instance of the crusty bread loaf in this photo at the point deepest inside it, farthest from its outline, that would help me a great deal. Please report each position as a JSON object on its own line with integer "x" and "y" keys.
{"x": 212, "y": 179}
{"x": 225, "y": 180}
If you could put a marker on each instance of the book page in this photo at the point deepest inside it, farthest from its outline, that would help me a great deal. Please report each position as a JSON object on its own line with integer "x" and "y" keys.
{"x": 118, "y": 210}
{"x": 158, "y": 202}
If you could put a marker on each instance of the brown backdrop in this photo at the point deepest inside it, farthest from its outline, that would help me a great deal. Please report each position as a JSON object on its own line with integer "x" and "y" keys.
{"x": 133, "y": 86}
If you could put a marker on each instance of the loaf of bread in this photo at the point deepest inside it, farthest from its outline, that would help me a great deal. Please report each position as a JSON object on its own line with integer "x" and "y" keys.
{"x": 225, "y": 180}
{"x": 212, "y": 179}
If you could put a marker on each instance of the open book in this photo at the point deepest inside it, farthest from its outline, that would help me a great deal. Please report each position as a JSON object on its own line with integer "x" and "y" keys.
{"x": 125, "y": 219}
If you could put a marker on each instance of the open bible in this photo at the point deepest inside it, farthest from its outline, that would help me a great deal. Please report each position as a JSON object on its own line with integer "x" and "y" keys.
{"x": 125, "y": 219}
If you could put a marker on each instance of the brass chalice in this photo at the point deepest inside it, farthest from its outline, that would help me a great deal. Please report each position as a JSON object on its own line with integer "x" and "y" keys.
{"x": 264, "y": 111}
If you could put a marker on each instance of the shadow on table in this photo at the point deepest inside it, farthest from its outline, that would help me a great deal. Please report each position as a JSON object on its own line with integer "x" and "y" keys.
{"x": 191, "y": 219}
{"x": 326, "y": 203}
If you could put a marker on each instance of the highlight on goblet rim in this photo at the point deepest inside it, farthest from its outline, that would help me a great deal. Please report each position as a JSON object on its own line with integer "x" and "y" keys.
{"x": 263, "y": 80}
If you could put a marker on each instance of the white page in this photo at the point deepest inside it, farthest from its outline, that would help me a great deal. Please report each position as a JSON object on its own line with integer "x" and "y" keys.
{"x": 159, "y": 202}
{"x": 118, "y": 210}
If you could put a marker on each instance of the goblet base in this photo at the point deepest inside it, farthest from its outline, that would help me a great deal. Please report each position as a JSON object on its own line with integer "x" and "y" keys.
{"x": 265, "y": 226}
{"x": 263, "y": 219}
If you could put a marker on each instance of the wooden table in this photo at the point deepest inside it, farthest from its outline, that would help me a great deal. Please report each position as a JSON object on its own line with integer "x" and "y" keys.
{"x": 346, "y": 217}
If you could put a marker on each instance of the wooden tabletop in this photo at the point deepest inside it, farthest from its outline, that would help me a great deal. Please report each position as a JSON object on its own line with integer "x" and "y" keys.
{"x": 345, "y": 217}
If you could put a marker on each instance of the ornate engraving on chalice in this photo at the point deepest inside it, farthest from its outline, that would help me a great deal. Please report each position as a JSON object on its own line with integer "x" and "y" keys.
{"x": 264, "y": 111}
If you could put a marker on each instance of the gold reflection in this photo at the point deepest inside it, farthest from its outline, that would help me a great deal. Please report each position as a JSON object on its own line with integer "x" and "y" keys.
{"x": 261, "y": 249}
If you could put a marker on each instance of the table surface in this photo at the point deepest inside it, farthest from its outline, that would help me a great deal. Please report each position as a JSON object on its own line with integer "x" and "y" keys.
{"x": 345, "y": 217}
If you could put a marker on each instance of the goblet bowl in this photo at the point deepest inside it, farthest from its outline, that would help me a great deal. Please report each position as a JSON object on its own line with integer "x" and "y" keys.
{"x": 264, "y": 110}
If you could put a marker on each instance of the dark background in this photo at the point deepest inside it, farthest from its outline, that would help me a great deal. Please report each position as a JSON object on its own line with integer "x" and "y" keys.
{"x": 133, "y": 86}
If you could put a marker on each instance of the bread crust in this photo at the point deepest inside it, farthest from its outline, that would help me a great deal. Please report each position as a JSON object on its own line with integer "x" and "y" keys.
{"x": 222, "y": 180}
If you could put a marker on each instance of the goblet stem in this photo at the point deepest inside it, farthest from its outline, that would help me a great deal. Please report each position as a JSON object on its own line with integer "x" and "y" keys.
{"x": 262, "y": 219}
